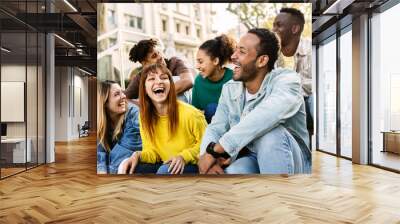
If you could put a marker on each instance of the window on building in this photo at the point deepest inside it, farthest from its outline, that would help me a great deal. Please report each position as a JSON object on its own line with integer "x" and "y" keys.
{"x": 198, "y": 33}
{"x": 129, "y": 21}
{"x": 178, "y": 27}
{"x": 196, "y": 8}
{"x": 187, "y": 30}
{"x": 111, "y": 17}
{"x": 139, "y": 22}
{"x": 164, "y": 25}
{"x": 133, "y": 21}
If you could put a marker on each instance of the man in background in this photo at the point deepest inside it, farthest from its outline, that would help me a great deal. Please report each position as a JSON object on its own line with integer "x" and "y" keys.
{"x": 296, "y": 54}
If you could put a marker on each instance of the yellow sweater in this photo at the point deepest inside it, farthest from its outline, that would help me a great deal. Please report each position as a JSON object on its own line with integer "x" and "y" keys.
{"x": 185, "y": 142}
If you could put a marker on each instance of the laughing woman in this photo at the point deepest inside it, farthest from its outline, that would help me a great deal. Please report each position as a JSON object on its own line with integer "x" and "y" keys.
{"x": 118, "y": 128}
{"x": 211, "y": 58}
{"x": 171, "y": 130}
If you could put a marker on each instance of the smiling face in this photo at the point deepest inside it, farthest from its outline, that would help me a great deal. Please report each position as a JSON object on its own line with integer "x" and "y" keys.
{"x": 284, "y": 26}
{"x": 205, "y": 64}
{"x": 158, "y": 85}
{"x": 154, "y": 56}
{"x": 244, "y": 58}
{"x": 116, "y": 102}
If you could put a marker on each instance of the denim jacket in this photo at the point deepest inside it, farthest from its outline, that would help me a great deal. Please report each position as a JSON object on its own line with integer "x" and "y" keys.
{"x": 279, "y": 101}
{"x": 129, "y": 142}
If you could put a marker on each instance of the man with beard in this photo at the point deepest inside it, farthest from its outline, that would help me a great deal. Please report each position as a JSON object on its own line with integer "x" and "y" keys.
{"x": 146, "y": 53}
{"x": 260, "y": 124}
{"x": 296, "y": 54}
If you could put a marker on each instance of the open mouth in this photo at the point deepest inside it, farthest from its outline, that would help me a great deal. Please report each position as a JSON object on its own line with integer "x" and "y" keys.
{"x": 236, "y": 66}
{"x": 159, "y": 90}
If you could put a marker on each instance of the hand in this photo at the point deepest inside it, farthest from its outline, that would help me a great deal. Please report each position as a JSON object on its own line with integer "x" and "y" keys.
{"x": 176, "y": 165}
{"x": 206, "y": 161}
{"x": 216, "y": 169}
{"x": 131, "y": 163}
{"x": 223, "y": 162}
{"x": 218, "y": 148}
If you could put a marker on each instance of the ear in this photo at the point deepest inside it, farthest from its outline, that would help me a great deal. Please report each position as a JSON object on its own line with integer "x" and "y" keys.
{"x": 262, "y": 61}
{"x": 295, "y": 29}
{"x": 216, "y": 61}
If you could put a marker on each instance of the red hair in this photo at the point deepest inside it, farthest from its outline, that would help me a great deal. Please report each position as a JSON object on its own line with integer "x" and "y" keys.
{"x": 148, "y": 113}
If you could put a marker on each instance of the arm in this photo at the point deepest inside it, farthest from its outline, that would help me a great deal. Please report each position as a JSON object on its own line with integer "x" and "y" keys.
{"x": 184, "y": 83}
{"x": 149, "y": 154}
{"x": 101, "y": 159}
{"x": 178, "y": 67}
{"x": 219, "y": 124}
{"x": 197, "y": 126}
{"x": 306, "y": 74}
{"x": 284, "y": 102}
{"x": 130, "y": 140}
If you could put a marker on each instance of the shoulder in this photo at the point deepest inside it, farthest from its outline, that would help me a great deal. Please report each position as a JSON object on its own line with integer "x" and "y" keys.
{"x": 132, "y": 111}
{"x": 232, "y": 84}
{"x": 305, "y": 46}
{"x": 285, "y": 75}
{"x": 199, "y": 80}
{"x": 188, "y": 110}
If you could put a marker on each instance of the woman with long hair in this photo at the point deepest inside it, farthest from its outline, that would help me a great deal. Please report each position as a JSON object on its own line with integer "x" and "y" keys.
{"x": 171, "y": 130}
{"x": 118, "y": 133}
{"x": 212, "y": 57}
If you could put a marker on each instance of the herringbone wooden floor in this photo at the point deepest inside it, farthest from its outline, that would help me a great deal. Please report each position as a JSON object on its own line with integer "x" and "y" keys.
{"x": 69, "y": 191}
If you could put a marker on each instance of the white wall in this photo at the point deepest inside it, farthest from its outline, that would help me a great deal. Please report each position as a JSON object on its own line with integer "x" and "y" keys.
{"x": 70, "y": 83}
{"x": 33, "y": 126}
{"x": 15, "y": 72}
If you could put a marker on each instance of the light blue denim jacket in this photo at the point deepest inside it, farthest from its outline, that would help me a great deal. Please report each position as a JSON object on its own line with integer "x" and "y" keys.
{"x": 279, "y": 101}
{"x": 129, "y": 142}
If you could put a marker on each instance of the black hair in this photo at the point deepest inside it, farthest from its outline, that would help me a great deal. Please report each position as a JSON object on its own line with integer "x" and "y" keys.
{"x": 221, "y": 47}
{"x": 269, "y": 45}
{"x": 139, "y": 51}
{"x": 297, "y": 14}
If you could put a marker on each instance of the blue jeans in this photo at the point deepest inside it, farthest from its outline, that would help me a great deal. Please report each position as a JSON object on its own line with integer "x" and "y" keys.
{"x": 189, "y": 169}
{"x": 277, "y": 152}
{"x": 147, "y": 168}
{"x": 309, "y": 100}
{"x": 209, "y": 111}
{"x": 159, "y": 168}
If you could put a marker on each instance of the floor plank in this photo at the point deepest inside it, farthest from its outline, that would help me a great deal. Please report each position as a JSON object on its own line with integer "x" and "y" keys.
{"x": 69, "y": 191}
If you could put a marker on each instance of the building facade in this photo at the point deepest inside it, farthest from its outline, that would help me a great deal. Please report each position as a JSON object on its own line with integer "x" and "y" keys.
{"x": 180, "y": 28}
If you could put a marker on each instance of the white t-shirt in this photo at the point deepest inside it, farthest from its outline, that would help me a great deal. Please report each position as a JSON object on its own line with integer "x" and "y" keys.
{"x": 249, "y": 96}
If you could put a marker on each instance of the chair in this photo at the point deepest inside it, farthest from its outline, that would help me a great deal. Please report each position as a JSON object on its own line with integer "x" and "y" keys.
{"x": 84, "y": 130}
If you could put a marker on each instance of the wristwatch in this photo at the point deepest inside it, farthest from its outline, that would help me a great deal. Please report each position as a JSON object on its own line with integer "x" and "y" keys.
{"x": 210, "y": 150}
